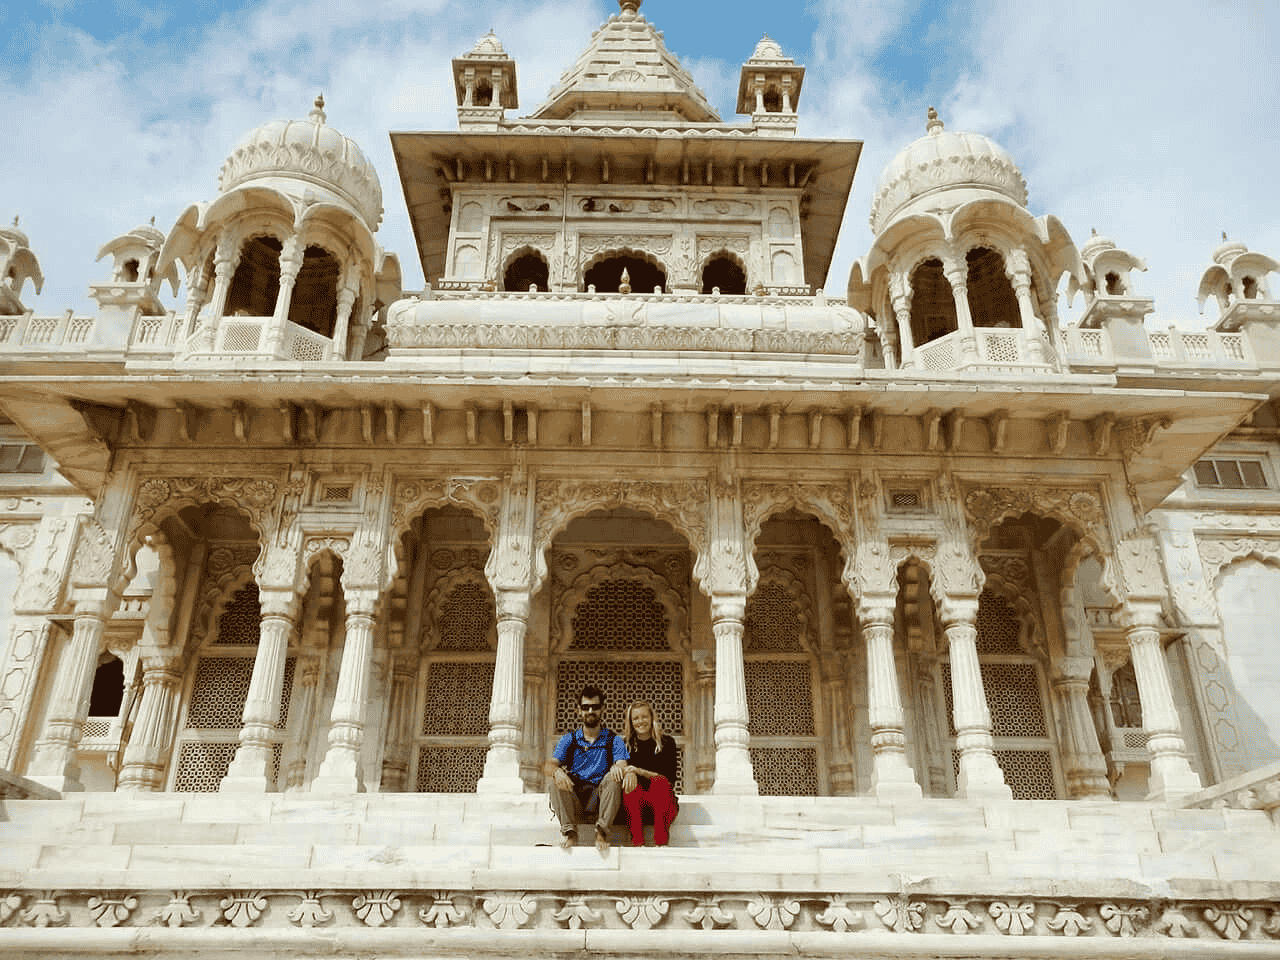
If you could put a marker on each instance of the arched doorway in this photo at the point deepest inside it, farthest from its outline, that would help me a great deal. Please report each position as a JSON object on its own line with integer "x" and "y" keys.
{"x": 606, "y": 275}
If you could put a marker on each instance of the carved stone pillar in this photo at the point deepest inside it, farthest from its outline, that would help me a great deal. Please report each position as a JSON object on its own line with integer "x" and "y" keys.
{"x": 54, "y": 761}
{"x": 147, "y": 755}
{"x": 340, "y": 771}
{"x": 249, "y": 770}
{"x": 304, "y": 708}
{"x": 532, "y": 752}
{"x": 197, "y": 297}
{"x": 704, "y": 722}
{"x": 346, "y": 300}
{"x": 900, "y": 298}
{"x": 839, "y": 756}
{"x": 400, "y": 725}
{"x": 225, "y": 259}
{"x": 1171, "y": 773}
{"x": 1018, "y": 270}
{"x": 290, "y": 265}
{"x": 1084, "y": 765}
{"x": 980, "y": 775}
{"x": 734, "y": 773}
{"x": 892, "y": 777}
{"x": 957, "y": 274}
{"x": 506, "y": 706}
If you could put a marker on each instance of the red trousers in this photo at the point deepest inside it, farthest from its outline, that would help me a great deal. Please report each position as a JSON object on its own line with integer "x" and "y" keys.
{"x": 659, "y": 798}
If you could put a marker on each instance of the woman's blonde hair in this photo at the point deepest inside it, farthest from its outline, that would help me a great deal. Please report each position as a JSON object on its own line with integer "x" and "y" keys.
{"x": 629, "y": 735}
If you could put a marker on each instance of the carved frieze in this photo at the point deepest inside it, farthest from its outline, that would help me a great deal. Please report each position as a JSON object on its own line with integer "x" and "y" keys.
{"x": 592, "y": 244}
{"x": 256, "y": 496}
{"x": 723, "y": 207}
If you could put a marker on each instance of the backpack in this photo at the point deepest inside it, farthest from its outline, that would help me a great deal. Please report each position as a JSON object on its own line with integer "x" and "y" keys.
{"x": 573, "y": 749}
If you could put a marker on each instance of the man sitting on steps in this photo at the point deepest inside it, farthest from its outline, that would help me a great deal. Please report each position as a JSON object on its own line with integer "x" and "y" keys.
{"x": 585, "y": 772}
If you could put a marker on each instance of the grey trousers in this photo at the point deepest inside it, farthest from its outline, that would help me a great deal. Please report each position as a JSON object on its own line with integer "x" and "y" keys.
{"x": 599, "y": 803}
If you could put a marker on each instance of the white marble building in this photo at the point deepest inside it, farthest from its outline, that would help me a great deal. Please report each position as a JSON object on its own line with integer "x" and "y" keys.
{"x": 964, "y": 619}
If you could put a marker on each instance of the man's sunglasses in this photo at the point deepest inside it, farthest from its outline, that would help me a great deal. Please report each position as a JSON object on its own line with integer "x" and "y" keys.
{"x": 590, "y": 707}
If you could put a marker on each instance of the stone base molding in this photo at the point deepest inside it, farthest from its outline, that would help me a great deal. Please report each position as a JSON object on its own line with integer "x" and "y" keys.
{"x": 359, "y": 922}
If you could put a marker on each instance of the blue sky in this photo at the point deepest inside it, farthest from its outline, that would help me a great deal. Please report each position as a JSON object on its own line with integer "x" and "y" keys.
{"x": 1153, "y": 122}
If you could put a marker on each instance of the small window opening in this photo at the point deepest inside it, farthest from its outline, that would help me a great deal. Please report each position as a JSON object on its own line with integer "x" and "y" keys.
{"x": 722, "y": 272}
{"x": 780, "y": 225}
{"x": 1114, "y": 287}
{"x": 607, "y": 275}
{"x": 1230, "y": 474}
{"x": 933, "y": 304}
{"x": 108, "y": 689}
{"x": 772, "y": 101}
{"x": 314, "y": 303}
{"x": 255, "y": 287}
{"x": 528, "y": 270}
{"x": 470, "y": 218}
{"x": 992, "y": 302}
{"x": 21, "y": 458}
{"x": 129, "y": 273}
{"x": 1250, "y": 288}
{"x": 484, "y": 94}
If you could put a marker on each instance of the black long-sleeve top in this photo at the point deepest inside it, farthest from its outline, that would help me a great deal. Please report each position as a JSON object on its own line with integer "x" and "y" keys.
{"x": 663, "y": 762}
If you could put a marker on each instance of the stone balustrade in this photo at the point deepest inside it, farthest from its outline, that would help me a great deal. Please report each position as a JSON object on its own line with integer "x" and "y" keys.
{"x": 1256, "y": 790}
{"x": 1171, "y": 349}
{"x": 32, "y": 333}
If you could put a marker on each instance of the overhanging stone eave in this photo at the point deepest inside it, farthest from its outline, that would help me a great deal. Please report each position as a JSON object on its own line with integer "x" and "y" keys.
{"x": 419, "y": 157}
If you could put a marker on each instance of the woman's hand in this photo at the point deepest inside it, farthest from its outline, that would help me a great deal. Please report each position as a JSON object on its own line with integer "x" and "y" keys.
{"x": 629, "y": 780}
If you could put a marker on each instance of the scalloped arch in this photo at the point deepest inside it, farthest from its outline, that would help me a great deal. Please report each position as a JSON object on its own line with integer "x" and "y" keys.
{"x": 677, "y": 614}
{"x": 440, "y": 593}
{"x": 612, "y": 252}
{"x": 801, "y": 604}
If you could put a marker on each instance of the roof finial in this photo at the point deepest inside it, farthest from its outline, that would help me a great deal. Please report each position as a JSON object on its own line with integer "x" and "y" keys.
{"x": 934, "y": 125}
{"x": 153, "y": 220}
{"x": 1224, "y": 233}
{"x": 1093, "y": 231}
{"x": 630, "y": 6}
{"x": 15, "y": 223}
{"x": 317, "y": 114}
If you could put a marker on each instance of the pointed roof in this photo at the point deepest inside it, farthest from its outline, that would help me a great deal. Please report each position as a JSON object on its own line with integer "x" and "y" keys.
{"x": 627, "y": 67}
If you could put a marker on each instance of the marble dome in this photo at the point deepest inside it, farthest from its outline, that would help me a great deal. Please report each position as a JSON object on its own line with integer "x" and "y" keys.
{"x": 938, "y": 164}
{"x": 311, "y": 151}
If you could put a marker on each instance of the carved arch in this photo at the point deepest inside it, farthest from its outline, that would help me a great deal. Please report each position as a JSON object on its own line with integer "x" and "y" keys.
{"x": 668, "y": 596}
{"x": 1219, "y": 554}
{"x": 624, "y": 251}
{"x": 682, "y": 504}
{"x": 164, "y": 595}
{"x": 722, "y": 252}
{"x": 312, "y": 548}
{"x": 827, "y": 502}
{"x": 415, "y": 495}
{"x": 1006, "y": 583}
{"x": 1081, "y": 510}
{"x": 801, "y": 604}
{"x": 440, "y": 593}
{"x": 213, "y": 603}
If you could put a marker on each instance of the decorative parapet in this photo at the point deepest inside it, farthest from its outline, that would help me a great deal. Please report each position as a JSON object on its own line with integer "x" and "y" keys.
{"x": 14, "y": 787}
{"x": 391, "y": 922}
{"x": 1172, "y": 349}
{"x": 30, "y": 333}
{"x": 1256, "y": 790}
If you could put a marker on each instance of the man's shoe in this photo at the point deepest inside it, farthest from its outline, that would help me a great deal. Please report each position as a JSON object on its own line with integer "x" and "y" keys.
{"x": 568, "y": 839}
{"x": 602, "y": 841}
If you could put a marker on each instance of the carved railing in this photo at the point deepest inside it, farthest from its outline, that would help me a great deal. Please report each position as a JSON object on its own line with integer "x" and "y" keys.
{"x": 28, "y": 331}
{"x": 1256, "y": 790}
{"x": 154, "y": 333}
{"x": 1002, "y": 349}
{"x": 1172, "y": 348}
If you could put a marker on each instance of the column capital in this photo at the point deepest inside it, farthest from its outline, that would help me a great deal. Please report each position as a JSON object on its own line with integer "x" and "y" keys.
{"x": 728, "y": 606}
{"x": 953, "y": 610}
{"x": 512, "y": 604}
{"x": 278, "y": 602}
{"x": 1073, "y": 670}
{"x": 1139, "y": 615}
{"x": 877, "y": 609}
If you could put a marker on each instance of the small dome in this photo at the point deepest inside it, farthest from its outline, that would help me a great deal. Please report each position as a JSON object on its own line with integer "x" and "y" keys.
{"x": 15, "y": 236}
{"x": 1095, "y": 245}
{"x": 148, "y": 234}
{"x": 1228, "y": 250}
{"x": 488, "y": 46}
{"x": 768, "y": 49}
{"x": 310, "y": 151}
{"x": 940, "y": 162}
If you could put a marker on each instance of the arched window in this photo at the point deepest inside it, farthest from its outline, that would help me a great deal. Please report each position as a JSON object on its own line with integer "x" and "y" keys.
{"x": 108, "y": 689}
{"x": 992, "y": 302}
{"x": 1250, "y": 288}
{"x": 466, "y": 263}
{"x": 483, "y": 96}
{"x": 723, "y": 272}
{"x": 1114, "y": 287}
{"x": 314, "y": 304}
{"x": 525, "y": 271}
{"x": 607, "y": 275}
{"x": 130, "y": 271}
{"x": 933, "y": 305}
{"x": 255, "y": 287}
{"x": 780, "y": 224}
{"x": 470, "y": 218}
{"x": 772, "y": 100}
{"x": 784, "y": 267}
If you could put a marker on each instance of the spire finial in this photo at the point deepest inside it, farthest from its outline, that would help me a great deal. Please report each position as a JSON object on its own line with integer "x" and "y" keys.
{"x": 317, "y": 113}
{"x": 935, "y": 124}
{"x": 630, "y": 6}
{"x": 15, "y": 223}
{"x": 153, "y": 220}
{"x": 1093, "y": 231}
{"x": 1224, "y": 233}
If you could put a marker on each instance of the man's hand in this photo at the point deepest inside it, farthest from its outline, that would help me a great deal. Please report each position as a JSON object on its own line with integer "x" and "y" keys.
{"x": 563, "y": 781}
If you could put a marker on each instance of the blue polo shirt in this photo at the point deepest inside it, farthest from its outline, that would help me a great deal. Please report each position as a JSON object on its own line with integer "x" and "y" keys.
{"x": 590, "y": 760}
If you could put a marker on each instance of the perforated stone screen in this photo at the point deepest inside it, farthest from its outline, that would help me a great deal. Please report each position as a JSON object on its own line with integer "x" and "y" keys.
{"x": 779, "y": 698}
{"x": 997, "y": 625}
{"x": 771, "y": 621}
{"x": 620, "y": 615}
{"x": 466, "y": 618}
{"x": 449, "y": 769}
{"x": 1029, "y": 773}
{"x": 457, "y": 699}
{"x": 786, "y": 771}
{"x": 1013, "y": 697}
{"x": 202, "y": 765}
{"x": 220, "y": 689}
{"x": 661, "y": 682}
{"x": 241, "y": 618}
